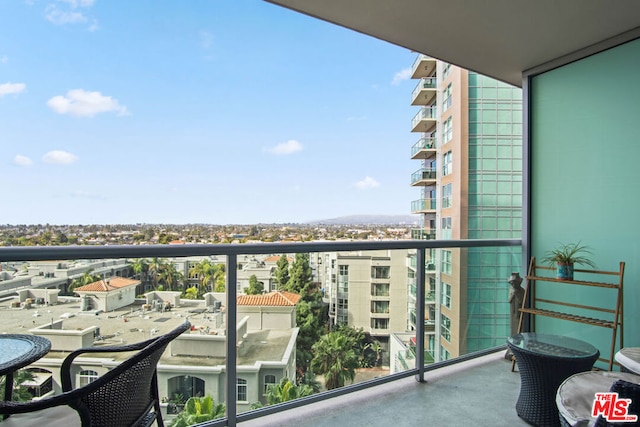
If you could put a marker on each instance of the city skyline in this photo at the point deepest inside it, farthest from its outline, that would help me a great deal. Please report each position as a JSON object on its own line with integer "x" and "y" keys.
{"x": 216, "y": 112}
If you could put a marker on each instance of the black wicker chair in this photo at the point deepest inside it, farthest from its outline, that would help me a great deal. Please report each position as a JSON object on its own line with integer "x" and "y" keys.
{"x": 127, "y": 395}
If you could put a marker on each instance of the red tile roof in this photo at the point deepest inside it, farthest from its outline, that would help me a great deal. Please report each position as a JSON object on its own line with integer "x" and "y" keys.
{"x": 111, "y": 284}
{"x": 274, "y": 299}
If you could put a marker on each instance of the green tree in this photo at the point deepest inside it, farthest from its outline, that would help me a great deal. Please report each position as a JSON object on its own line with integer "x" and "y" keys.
{"x": 255, "y": 287}
{"x": 140, "y": 267}
{"x": 285, "y": 390}
{"x": 211, "y": 276}
{"x": 198, "y": 410}
{"x": 282, "y": 272}
{"x": 191, "y": 293}
{"x": 20, "y": 392}
{"x": 156, "y": 265}
{"x": 335, "y": 358}
{"x": 169, "y": 276}
{"x": 301, "y": 275}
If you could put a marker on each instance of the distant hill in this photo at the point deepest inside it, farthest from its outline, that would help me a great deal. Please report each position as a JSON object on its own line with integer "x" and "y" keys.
{"x": 368, "y": 220}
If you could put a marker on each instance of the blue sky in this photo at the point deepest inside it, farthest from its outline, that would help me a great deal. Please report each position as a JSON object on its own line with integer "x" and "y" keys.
{"x": 207, "y": 111}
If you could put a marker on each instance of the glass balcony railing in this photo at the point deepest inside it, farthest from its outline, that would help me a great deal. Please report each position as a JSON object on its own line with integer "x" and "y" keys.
{"x": 425, "y": 113}
{"x": 426, "y": 83}
{"x": 423, "y": 205}
{"x": 423, "y": 174}
{"x": 425, "y": 61}
{"x": 422, "y": 234}
{"x": 228, "y": 339}
{"x": 427, "y": 143}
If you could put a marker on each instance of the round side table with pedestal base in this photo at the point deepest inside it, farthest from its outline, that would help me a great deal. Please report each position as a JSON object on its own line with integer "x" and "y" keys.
{"x": 544, "y": 362}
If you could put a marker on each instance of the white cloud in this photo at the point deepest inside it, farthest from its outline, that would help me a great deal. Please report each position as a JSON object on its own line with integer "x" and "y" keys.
{"x": 20, "y": 160}
{"x": 83, "y": 103}
{"x": 4, "y": 59}
{"x": 78, "y": 3}
{"x": 7, "y": 88}
{"x": 60, "y": 17}
{"x": 401, "y": 75}
{"x": 367, "y": 183}
{"x": 59, "y": 157}
{"x": 285, "y": 148}
{"x": 70, "y": 12}
{"x": 206, "y": 39}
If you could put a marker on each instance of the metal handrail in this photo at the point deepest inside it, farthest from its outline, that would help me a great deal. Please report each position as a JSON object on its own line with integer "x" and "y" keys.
{"x": 231, "y": 251}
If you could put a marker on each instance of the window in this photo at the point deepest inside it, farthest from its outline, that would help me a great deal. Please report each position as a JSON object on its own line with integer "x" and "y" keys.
{"x": 269, "y": 380}
{"x": 447, "y": 129}
{"x": 446, "y": 227}
{"x": 445, "y": 327}
{"x": 444, "y": 354}
{"x": 382, "y": 289}
{"x": 185, "y": 386}
{"x": 446, "y": 295}
{"x": 86, "y": 377}
{"x": 380, "y": 272}
{"x": 447, "y": 163}
{"x": 241, "y": 390}
{"x": 343, "y": 278}
{"x": 343, "y": 304}
{"x": 446, "y": 70}
{"x": 379, "y": 323}
{"x": 446, "y": 98}
{"x": 446, "y": 262}
{"x": 446, "y": 195}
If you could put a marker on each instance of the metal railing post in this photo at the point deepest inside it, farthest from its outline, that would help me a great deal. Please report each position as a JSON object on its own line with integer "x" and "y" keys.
{"x": 232, "y": 338}
{"x": 420, "y": 295}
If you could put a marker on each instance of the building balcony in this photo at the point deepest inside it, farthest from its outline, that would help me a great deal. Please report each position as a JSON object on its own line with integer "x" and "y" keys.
{"x": 423, "y": 66}
{"x": 424, "y": 149}
{"x": 379, "y": 315}
{"x": 425, "y": 120}
{"x": 424, "y": 177}
{"x": 425, "y": 91}
{"x": 422, "y": 234}
{"x": 422, "y": 206}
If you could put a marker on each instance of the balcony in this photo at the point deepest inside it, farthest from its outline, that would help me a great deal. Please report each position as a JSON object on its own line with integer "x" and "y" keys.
{"x": 422, "y": 206}
{"x": 425, "y": 91}
{"x": 422, "y": 234}
{"x": 424, "y": 177}
{"x": 423, "y": 66}
{"x": 425, "y": 120}
{"x": 424, "y": 149}
{"x": 239, "y": 412}
{"x": 404, "y": 400}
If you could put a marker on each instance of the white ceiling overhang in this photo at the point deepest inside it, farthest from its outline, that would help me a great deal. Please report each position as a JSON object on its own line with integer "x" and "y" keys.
{"x": 498, "y": 38}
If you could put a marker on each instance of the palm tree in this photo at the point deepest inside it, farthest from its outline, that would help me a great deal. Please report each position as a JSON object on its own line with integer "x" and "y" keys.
{"x": 155, "y": 267}
{"x": 169, "y": 276}
{"x": 285, "y": 391}
{"x": 210, "y": 276}
{"x": 20, "y": 393}
{"x": 140, "y": 266}
{"x": 335, "y": 358}
{"x": 198, "y": 410}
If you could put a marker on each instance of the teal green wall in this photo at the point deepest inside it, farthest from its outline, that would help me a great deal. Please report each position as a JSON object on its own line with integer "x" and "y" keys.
{"x": 585, "y": 155}
{"x": 494, "y": 206}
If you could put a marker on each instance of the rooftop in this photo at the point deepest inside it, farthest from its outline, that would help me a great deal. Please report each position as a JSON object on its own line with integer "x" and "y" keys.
{"x": 272, "y": 299}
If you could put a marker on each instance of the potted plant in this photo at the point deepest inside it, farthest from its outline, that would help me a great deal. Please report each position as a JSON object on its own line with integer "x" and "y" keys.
{"x": 565, "y": 256}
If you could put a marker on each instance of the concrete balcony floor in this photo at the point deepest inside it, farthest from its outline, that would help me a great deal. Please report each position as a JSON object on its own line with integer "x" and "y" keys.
{"x": 481, "y": 392}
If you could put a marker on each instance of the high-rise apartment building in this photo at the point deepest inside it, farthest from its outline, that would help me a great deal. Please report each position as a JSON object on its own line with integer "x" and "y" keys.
{"x": 470, "y": 187}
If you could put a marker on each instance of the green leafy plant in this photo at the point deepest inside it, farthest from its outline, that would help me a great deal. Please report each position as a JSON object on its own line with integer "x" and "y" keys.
{"x": 569, "y": 253}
